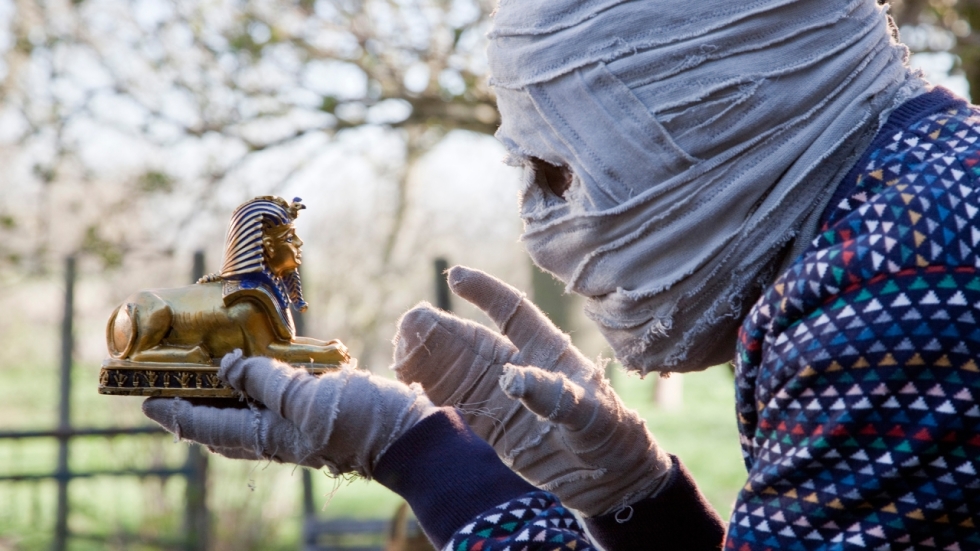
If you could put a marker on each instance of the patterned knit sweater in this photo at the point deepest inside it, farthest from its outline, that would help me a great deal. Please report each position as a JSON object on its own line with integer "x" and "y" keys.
{"x": 857, "y": 371}
{"x": 856, "y": 377}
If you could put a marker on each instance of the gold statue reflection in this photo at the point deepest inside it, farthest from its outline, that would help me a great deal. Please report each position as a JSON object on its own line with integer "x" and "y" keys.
{"x": 246, "y": 306}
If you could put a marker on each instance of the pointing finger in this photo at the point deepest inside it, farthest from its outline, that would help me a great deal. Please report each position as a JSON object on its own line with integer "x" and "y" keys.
{"x": 540, "y": 342}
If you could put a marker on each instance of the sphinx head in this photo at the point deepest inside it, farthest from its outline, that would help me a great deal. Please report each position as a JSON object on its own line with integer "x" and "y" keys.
{"x": 281, "y": 248}
{"x": 262, "y": 240}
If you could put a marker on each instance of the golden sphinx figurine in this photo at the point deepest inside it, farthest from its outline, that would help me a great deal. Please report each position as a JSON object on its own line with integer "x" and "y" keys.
{"x": 168, "y": 342}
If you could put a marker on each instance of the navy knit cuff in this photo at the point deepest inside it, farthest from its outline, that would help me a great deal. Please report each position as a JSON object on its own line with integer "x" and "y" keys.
{"x": 678, "y": 517}
{"x": 447, "y": 474}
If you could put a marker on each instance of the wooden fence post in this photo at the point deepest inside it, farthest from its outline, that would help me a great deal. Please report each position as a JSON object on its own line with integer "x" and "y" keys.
{"x": 64, "y": 409}
{"x": 443, "y": 294}
{"x": 549, "y": 294}
{"x": 197, "y": 521}
{"x": 309, "y": 512}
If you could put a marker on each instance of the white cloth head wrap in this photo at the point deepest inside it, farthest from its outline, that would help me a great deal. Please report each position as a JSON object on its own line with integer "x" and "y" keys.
{"x": 705, "y": 138}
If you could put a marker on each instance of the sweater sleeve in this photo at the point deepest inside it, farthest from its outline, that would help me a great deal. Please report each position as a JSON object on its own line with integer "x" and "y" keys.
{"x": 465, "y": 497}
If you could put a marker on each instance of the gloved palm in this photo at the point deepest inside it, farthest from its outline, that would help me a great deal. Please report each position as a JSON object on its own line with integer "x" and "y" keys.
{"x": 548, "y": 411}
{"x": 343, "y": 420}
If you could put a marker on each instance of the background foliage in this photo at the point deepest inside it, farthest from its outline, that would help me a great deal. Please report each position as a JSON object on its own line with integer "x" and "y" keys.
{"x": 115, "y": 107}
{"x": 129, "y": 130}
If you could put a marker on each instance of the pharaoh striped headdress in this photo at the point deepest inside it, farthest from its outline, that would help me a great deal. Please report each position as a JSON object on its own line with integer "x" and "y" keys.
{"x": 243, "y": 245}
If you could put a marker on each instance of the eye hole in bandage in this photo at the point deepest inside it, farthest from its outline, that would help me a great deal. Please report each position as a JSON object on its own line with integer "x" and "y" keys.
{"x": 547, "y": 176}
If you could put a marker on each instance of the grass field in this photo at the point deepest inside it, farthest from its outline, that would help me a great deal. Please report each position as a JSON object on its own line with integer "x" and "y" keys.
{"x": 255, "y": 505}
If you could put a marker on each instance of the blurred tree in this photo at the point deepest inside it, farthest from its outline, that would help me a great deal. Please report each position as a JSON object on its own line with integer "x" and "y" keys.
{"x": 938, "y": 26}
{"x": 239, "y": 79}
{"x": 124, "y": 123}
{"x": 230, "y": 81}
{"x": 127, "y": 124}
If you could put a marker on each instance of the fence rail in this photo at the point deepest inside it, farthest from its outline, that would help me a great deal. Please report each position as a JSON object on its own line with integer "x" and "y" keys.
{"x": 70, "y": 475}
{"x": 194, "y": 469}
{"x": 73, "y": 432}
{"x": 398, "y": 534}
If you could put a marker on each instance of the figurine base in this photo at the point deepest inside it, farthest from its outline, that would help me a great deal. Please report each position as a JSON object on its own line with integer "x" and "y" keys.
{"x": 126, "y": 378}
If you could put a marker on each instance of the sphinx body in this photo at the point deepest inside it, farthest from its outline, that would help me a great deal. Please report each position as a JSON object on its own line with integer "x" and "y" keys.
{"x": 198, "y": 324}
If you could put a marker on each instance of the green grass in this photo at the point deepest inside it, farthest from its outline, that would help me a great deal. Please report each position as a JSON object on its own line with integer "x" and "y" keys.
{"x": 258, "y": 505}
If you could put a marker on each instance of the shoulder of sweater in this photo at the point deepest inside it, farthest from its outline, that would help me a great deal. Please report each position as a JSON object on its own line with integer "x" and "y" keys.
{"x": 927, "y": 170}
{"x": 914, "y": 205}
{"x": 922, "y": 130}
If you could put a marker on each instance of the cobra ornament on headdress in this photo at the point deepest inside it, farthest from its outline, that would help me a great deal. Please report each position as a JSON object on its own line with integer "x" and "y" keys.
{"x": 244, "y": 255}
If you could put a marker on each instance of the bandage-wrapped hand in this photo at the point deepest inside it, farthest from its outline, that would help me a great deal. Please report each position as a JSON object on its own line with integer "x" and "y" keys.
{"x": 343, "y": 420}
{"x": 548, "y": 411}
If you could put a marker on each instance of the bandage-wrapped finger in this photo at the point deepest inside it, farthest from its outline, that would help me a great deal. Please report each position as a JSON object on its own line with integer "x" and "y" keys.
{"x": 235, "y": 453}
{"x": 225, "y": 428}
{"x": 244, "y": 454}
{"x": 550, "y": 395}
{"x": 290, "y": 393}
{"x": 541, "y": 343}
{"x": 275, "y": 384}
{"x": 343, "y": 420}
{"x": 458, "y": 363}
{"x": 452, "y": 358}
{"x": 258, "y": 432}
{"x": 609, "y": 454}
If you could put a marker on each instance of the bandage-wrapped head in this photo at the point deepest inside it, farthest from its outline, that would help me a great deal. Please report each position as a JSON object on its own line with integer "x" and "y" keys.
{"x": 678, "y": 152}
